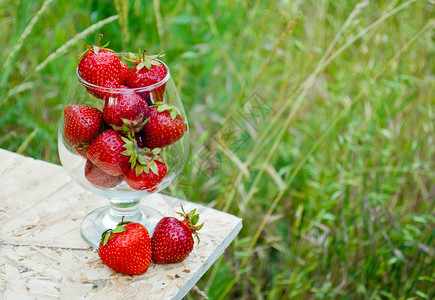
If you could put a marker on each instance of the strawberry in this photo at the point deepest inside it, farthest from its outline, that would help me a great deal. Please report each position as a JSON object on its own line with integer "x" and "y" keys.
{"x": 128, "y": 109}
{"x": 98, "y": 178}
{"x": 147, "y": 167}
{"x": 106, "y": 153}
{"x": 142, "y": 76}
{"x": 81, "y": 124}
{"x": 123, "y": 72}
{"x": 146, "y": 180}
{"x": 126, "y": 249}
{"x": 172, "y": 240}
{"x": 148, "y": 72}
{"x": 165, "y": 126}
{"x": 100, "y": 67}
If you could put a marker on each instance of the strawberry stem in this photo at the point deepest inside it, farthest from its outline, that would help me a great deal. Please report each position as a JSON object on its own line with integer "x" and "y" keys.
{"x": 100, "y": 36}
{"x": 191, "y": 219}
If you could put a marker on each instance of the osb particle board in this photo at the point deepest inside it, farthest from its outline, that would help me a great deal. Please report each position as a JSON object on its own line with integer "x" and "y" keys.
{"x": 43, "y": 256}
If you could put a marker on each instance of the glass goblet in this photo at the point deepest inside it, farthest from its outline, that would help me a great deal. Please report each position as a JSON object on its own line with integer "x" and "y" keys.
{"x": 124, "y": 201}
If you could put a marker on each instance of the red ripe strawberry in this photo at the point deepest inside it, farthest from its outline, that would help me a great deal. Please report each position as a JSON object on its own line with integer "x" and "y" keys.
{"x": 106, "y": 153}
{"x": 141, "y": 77}
{"x": 98, "y": 178}
{"x": 127, "y": 109}
{"x": 101, "y": 67}
{"x": 147, "y": 169}
{"x": 123, "y": 72}
{"x": 148, "y": 178}
{"x": 81, "y": 124}
{"x": 147, "y": 72}
{"x": 126, "y": 249}
{"x": 172, "y": 240}
{"x": 165, "y": 126}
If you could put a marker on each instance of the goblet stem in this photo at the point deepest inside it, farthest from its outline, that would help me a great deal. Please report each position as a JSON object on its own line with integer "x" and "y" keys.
{"x": 129, "y": 210}
{"x": 107, "y": 217}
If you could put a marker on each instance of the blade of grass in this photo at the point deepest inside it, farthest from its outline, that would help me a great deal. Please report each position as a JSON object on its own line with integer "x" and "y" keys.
{"x": 26, "y": 142}
{"x": 367, "y": 29}
{"x": 160, "y": 29}
{"x": 290, "y": 26}
{"x": 122, "y": 10}
{"x": 76, "y": 39}
{"x": 7, "y": 65}
{"x": 18, "y": 89}
{"x": 231, "y": 155}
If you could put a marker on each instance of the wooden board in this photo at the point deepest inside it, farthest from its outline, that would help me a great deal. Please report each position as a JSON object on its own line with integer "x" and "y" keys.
{"x": 43, "y": 256}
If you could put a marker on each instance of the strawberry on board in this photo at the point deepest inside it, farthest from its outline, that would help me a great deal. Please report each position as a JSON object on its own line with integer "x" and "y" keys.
{"x": 81, "y": 124}
{"x": 128, "y": 109}
{"x": 99, "y": 178}
{"x": 100, "y": 67}
{"x": 148, "y": 71}
{"x": 126, "y": 249}
{"x": 164, "y": 127}
{"x": 106, "y": 153}
{"x": 172, "y": 239}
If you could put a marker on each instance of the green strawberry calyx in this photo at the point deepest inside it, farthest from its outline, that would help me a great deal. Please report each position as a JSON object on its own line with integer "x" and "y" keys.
{"x": 130, "y": 126}
{"x": 173, "y": 111}
{"x": 191, "y": 220}
{"x": 109, "y": 232}
{"x": 141, "y": 60}
{"x": 94, "y": 48}
{"x": 141, "y": 159}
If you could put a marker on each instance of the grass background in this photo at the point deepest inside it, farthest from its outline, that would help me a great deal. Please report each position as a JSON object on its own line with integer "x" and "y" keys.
{"x": 314, "y": 121}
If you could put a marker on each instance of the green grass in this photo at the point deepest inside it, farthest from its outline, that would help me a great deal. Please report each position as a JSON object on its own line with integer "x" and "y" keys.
{"x": 318, "y": 120}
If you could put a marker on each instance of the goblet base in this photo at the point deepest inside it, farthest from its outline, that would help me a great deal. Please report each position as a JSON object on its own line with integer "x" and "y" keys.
{"x": 101, "y": 219}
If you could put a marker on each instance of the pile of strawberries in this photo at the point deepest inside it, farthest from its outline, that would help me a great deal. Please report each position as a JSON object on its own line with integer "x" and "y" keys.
{"x": 123, "y": 141}
{"x": 128, "y": 248}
